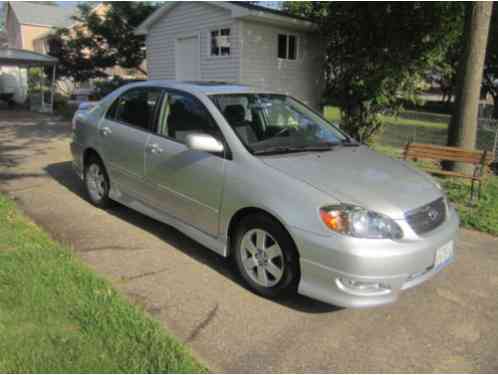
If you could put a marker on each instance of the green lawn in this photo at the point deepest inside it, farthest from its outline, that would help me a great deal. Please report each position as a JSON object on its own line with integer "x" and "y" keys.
{"x": 58, "y": 316}
{"x": 333, "y": 114}
{"x": 398, "y": 131}
{"x": 482, "y": 216}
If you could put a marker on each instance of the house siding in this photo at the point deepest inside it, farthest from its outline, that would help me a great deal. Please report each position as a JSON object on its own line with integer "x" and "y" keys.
{"x": 190, "y": 18}
{"x": 261, "y": 67}
{"x": 30, "y": 33}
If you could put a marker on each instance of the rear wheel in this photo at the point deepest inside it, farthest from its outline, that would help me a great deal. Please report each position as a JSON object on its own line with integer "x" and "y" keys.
{"x": 97, "y": 183}
{"x": 265, "y": 256}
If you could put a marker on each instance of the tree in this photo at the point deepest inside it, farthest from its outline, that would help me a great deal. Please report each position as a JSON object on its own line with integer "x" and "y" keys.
{"x": 377, "y": 54}
{"x": 446, "y": 66}
{"x": 101, "y": 40}
{"x": 463, "y": 125}
{"x": 490, "y": 81}
{"x": 75, "y": 63}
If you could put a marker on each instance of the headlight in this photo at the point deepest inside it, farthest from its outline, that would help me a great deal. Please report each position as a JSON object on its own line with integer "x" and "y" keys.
{"x": 358, "y": 222}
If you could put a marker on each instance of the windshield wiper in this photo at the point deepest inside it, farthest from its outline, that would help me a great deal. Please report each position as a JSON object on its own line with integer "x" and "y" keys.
{"x": 289, "y": 149}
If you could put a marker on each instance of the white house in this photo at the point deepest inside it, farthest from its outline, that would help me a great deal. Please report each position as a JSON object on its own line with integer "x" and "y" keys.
{"x": 235, "y": 42}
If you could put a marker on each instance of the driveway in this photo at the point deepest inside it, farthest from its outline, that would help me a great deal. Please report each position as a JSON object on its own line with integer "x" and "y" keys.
{"x": 448, "y": 324}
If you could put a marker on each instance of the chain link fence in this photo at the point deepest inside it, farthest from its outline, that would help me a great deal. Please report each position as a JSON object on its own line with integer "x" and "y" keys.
{"x": 433, "y": 129}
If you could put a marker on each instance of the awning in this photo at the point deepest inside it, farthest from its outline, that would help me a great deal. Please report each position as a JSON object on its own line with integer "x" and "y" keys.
{"x": 24, "y": 58}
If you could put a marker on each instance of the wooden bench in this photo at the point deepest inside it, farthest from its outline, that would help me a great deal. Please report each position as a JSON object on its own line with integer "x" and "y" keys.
{"x": 481, "y": 161}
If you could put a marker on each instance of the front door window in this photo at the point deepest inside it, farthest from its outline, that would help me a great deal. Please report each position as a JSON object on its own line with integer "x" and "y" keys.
{"x": 184, "y": 114}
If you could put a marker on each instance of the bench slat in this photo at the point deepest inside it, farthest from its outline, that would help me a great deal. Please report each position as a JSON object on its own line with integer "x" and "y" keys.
{"x": 452, "y": 174}
{"x": 480, "y": 159}
{"x": 438, "y": 147}
{"x": 433, "y": 152}
{"x": 469, "y": 154}
{"x": 427, "y": 156}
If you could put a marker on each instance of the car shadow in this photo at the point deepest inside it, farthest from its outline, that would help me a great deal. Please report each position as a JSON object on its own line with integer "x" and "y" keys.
{"x": 63, "y": 174}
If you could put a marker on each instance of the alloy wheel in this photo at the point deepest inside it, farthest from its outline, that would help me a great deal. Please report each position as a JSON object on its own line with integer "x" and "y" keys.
{"x": 96, "y": 182}
{"x": 262, "y": 258}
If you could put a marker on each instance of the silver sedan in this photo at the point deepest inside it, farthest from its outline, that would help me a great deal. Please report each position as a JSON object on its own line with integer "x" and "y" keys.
{"x": 262, "y": 178}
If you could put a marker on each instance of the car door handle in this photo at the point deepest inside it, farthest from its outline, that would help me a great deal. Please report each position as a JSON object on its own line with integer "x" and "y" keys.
{"x": 155, "y": 149}
{"x": 105, "y": 131}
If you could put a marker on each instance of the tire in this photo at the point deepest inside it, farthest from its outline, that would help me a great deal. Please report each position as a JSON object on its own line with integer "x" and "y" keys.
{"x": 97, "y": 183}
{"x": 278, "y": 266}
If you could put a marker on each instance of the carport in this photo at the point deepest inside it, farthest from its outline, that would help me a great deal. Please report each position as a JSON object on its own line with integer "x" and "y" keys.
{"x": 29, "y": 59}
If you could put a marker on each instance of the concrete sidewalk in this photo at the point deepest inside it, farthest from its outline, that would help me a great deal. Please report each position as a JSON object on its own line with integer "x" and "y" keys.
{"x": 449, "y": 324}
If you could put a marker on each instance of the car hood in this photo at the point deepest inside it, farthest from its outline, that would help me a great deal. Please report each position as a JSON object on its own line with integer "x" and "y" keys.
{"x": 358, "y": 175}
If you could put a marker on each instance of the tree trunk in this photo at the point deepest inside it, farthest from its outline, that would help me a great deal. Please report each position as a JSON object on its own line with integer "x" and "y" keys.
{"x": 139, "y": 68}
{"x": 462, "y": 131}
{"x": 495, "y": 106}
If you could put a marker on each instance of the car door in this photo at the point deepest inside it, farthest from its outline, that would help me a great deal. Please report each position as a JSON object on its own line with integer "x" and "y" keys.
{"x": 124, "y": 132}
{"x": 187, "y": 184}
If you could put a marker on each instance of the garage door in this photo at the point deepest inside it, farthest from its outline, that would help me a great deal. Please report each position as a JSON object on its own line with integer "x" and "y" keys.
{"x": 187, "y": 59}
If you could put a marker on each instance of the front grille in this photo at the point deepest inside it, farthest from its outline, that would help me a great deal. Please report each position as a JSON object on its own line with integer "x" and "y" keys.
{"x": 428, "y": 217}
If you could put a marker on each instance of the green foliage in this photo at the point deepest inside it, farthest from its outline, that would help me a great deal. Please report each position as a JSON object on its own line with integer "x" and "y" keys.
{"x": 56, "y": 316}
{"x": 484, "y": 215}
{"x": 61, "y": 102}
{"x": 105, "y": 87}
{"x": 34, "y": 77}
{"x": 309, "y": 9}
{"x": 102, "y": 41}
{"x": 377, "y": 55}
{"x": 446, "y": 63}
{"x": 74, "y": 61}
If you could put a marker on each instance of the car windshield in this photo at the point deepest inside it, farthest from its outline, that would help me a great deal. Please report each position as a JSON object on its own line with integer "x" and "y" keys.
{"x": 273, "y": 123}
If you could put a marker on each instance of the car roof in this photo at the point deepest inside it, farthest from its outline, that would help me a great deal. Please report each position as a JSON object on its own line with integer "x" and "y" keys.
{"x": 204, "y": 87}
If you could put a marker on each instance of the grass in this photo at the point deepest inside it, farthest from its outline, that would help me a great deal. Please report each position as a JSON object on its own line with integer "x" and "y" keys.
{"x": 58, "y": 316}
{"x": 397, "y": 131}
{"x": 333, "y": 114}
{"x": 483, "y": 216}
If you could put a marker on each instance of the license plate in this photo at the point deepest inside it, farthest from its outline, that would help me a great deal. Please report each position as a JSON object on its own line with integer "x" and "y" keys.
{"x": 443, "y": 255}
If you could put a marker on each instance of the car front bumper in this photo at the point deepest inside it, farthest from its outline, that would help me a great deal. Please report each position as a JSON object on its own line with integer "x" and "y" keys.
{"x": 383, "y": 268}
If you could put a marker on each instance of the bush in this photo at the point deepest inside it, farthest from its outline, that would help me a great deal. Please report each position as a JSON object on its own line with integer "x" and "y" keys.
{"x": 60, "y": 102}
{"x": 103, "y": 88}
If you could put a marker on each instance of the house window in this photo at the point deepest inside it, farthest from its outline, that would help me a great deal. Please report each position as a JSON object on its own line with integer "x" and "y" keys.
{"x": 220, "y": 42}
{"x": 287, "y": 46}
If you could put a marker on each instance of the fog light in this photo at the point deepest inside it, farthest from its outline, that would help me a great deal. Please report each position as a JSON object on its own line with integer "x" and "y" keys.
{"x": 362, "y": 287}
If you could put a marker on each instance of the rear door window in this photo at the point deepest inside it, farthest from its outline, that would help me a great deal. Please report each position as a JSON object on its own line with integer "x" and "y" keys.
{"x": 136, "y": 107}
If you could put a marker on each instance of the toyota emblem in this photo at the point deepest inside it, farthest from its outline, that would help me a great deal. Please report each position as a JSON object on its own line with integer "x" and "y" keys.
{"x": 433, "y": 214}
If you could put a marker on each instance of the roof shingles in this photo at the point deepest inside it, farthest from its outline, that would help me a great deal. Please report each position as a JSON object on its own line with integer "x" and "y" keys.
{"x": 32, "y": 13}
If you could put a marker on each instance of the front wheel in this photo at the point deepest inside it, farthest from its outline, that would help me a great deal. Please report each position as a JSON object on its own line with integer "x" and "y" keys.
{"x": 266, "y": 256}
{"x": 97, "y": 184}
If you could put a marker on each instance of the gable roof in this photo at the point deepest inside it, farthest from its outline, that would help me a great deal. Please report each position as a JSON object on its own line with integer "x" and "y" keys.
{"x": 238, "y": 9}
{"x": 31, "y": 13}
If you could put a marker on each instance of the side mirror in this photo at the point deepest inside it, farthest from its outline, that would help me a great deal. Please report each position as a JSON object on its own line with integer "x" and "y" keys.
{"x": 203, "y": 142}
